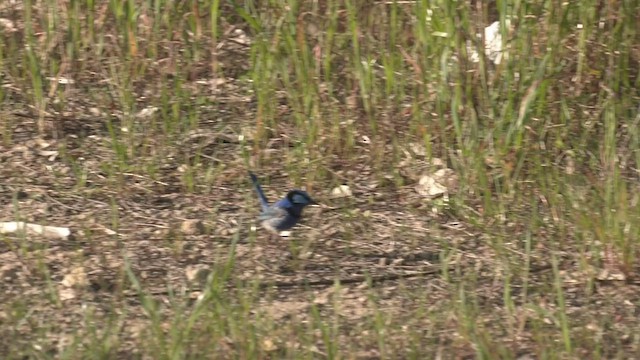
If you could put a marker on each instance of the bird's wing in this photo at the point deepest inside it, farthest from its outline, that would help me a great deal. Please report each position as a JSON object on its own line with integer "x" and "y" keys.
{"x": 263, "y": 199}
{"x": 273, "y": 213}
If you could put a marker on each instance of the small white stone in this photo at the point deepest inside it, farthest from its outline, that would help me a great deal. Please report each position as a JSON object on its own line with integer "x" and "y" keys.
{"x": 341, "y": 191}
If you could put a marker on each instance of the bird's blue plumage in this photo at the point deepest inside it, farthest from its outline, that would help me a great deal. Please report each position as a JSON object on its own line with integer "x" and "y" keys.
{"x": 285, "y": 213}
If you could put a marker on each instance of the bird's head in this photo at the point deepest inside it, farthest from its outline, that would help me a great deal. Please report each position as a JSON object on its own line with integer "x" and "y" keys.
{"x": 300, "y": 198}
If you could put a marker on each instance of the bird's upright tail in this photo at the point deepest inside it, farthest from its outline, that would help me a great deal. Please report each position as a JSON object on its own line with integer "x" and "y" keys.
{"x": 256, "y": 184}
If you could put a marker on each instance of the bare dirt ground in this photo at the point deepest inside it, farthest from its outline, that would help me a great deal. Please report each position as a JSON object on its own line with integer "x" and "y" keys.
{"x": 164, "y": 232}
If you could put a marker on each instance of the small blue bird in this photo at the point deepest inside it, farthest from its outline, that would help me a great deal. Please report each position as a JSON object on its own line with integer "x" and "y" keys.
{"x": 284, "y": 214}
